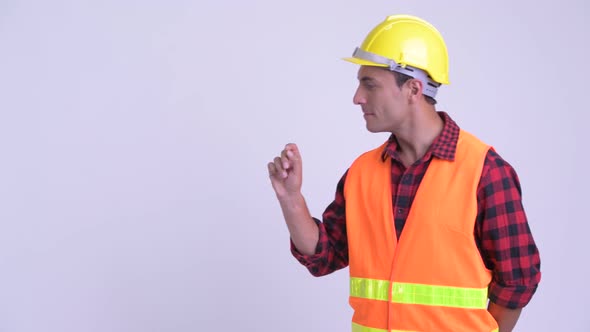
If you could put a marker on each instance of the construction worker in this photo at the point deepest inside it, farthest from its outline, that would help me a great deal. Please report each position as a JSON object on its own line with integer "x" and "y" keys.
{"x": 430, "y": 223}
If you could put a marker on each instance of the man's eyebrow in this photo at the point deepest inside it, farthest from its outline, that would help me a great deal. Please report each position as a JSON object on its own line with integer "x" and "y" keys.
{"x": 366, "y": 79}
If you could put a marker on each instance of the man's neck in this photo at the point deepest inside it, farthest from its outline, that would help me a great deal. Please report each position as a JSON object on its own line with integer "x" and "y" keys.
{"x": 416, "y": 137}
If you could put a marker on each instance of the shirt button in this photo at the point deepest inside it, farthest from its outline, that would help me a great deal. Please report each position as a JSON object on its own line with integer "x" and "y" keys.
{"x": 400, "y": 210}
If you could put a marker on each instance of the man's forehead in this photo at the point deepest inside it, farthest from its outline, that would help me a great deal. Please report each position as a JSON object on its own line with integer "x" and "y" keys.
{"x": 368, "y": 73}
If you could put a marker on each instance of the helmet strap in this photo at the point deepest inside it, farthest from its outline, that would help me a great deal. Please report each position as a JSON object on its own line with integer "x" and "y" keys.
{"x": 430, "y": 87}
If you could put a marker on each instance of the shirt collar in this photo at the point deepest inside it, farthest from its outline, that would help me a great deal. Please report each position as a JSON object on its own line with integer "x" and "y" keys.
{"x": 443, "y": 146}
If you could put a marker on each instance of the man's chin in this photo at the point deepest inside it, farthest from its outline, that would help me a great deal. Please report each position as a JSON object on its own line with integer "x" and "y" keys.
{"x": 374, "y": 130}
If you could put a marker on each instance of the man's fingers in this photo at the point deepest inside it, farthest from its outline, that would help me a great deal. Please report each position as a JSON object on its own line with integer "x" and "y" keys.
{"x": 280, "y": 170}
{"x": 285, "y": 158}
{"x": 292, "y": 152}
{"x": 272, "y": 170}
{"x": 288, "y": 160}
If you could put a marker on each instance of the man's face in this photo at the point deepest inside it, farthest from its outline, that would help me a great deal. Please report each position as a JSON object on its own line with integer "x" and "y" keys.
{"x": 382, "y": 101}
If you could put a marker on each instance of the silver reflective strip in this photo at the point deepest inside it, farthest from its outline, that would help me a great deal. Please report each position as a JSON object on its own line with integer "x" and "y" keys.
{"x": 376, "y": 58}
{"x": 430, "y": 87}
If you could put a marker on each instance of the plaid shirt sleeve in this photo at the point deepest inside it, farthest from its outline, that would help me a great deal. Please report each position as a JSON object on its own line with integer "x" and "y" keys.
{"x": 504, "y": 237}
{"x": 332, "y": 248}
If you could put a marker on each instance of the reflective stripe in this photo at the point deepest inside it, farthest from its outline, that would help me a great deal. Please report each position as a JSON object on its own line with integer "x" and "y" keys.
{"x": 360, "y": 328}
{"x": 473, "y": 298}
{"x": 373, "y": 289}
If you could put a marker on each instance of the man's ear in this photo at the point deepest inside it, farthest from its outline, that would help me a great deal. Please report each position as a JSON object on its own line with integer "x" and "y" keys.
{"x": 415, "y": 88}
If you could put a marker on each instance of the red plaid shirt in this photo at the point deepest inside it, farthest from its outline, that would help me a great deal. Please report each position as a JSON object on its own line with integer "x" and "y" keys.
{"x": 501, "y": 230}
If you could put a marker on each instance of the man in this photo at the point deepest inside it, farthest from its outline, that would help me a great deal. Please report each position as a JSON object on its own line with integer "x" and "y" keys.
{"x": 430, "y": 223}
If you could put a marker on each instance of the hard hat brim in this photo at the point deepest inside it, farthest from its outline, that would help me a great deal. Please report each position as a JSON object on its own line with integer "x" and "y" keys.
{"x": 363, "y": 62}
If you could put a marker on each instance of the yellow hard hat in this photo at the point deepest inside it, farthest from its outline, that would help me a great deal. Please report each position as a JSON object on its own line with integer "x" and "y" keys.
{"x": 409, "y": 45}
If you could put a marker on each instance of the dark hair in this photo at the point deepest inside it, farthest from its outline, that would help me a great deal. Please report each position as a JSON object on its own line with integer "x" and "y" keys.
{"x": 400, "y": 79}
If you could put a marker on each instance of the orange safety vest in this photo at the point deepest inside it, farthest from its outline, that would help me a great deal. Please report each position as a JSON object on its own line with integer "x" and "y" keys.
{"x": 433, "y": 278}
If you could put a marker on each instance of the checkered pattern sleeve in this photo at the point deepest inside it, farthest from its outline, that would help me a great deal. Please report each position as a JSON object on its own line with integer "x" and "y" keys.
{"x": 503, "y": 235}
{"x": 332, "y": 248}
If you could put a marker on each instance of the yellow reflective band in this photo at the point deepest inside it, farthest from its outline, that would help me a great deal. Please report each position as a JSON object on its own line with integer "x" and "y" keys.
{"x": 360, "y": 328}
{"x": 372, "y": 289}
{"x": 473, "y": 298}
{"x": 458, "y": 297}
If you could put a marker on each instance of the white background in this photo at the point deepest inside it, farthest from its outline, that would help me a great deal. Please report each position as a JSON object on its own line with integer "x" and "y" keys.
{"x": 134, "y": 137}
